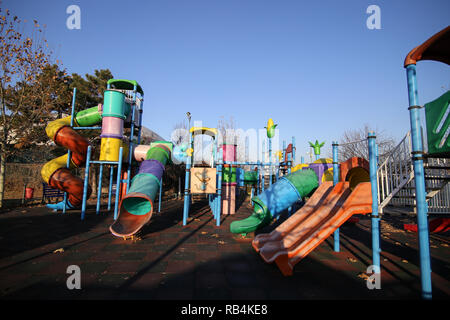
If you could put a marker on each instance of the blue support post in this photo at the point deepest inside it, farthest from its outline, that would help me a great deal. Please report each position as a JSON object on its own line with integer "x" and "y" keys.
{"x": 419, "y": 177}
{"x": 263, "y": 161}
{"x": 219, "y": 189}
{"x": 160, "y": 192}
{"x": 99, "y": 190}
{"x": 258, "y": 179}
{"x": 111, "y": 173}
{"x": 335, "y": 181}
{"x": 294, "y": 150}
{"x": 72, "y": 114}
{"x": 86, "y": 182}
{"x": 186, "y": 184}
{"x": 270, "y": 161}
{"x": 119, "y": 171}
{"x": 130, "y": 144}
{"x": 375, "y": 217}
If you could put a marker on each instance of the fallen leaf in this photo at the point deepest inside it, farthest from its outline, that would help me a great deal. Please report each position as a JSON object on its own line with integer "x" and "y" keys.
{"x": 221, "y": 242}
{"x": 203, "y": 232}
{"x": 404, "y": 261}
{"x": 60, "y": 250}
{"x": 362, "y": 275}
{"x": 351, "y": 259}
{"x": 444, "y": 244}
{"x": 215, "y": 235}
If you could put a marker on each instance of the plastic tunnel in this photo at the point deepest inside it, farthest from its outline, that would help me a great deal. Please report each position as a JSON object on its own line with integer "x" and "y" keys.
{"x": 136, "y": 207}
{"x": 277, "y": 198}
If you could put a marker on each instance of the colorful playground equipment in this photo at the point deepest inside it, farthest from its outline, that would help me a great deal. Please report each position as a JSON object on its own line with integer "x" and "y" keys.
{"x": 136, "y": 207}
{"x": 287, "y": 191}
{"x": 122, "y": 108}
{"x": 364, "y": 187}
{"x": 224, "y": 177}
{"x": 330, "y": 204}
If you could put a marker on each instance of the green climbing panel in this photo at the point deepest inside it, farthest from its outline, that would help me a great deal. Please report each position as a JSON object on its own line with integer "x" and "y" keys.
{"x": 437, "y": 115}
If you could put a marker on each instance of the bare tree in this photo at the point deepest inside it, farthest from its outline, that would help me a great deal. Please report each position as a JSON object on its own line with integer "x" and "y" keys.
{"x": 30, "y": 88}
{"x": 229, "y": 134}
{"x": 353, "y": 143}
{"x": 180, "y": 133}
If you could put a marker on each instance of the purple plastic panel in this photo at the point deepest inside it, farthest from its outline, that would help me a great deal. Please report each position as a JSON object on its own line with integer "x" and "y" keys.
{"x": 152, "y": 166}
{"x": 319, "y": 169}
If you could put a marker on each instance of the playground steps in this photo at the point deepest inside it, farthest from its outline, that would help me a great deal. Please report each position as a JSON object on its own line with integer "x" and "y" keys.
{"x": 396, "y": 179}
{"x": 323, "y": 213}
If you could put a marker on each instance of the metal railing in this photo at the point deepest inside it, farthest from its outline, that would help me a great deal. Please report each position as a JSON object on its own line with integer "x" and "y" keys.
{"x": 396, "y": 185}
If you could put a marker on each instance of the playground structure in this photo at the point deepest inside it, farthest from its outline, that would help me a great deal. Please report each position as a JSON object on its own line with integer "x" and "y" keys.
{"x": 224, "y": 178}
{"x": 368, "y": 187}
{"x": 331, "y": 191}
{"x": 122, "y": 108}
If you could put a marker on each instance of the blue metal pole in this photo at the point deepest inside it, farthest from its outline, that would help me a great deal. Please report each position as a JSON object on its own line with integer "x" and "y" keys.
{"x": 86, "y": 182}
{"x": 263, "y": 169}
{"x": 99, "y": 190}
{"x": 186, "y": 184}
{"x": 111, "y": 173}
{"x": 130, "y": 144}
{"x": 69, "y": 154}
{"x": 258, "y": 179}
{"x": 375, "y": 217}
{"x": 302, "y": 159}
{"x": 270, "y": 161}
{"x": 160, "y": 192}
{"x": 419, "y": 177}
{"x": 294, "y": 150}
{"x": 219, "y": 188}
{"x": 118, "y": 181}
{"x": 335, "y": 181}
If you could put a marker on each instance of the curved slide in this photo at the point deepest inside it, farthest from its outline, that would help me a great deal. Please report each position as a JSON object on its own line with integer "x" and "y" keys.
{"x": 136, "y": 207}
{"x": 328, "y": 208}
{"x": 55, "y": 172}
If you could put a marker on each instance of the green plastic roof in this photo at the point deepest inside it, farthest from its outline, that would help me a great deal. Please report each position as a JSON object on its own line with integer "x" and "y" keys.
{"x": 123, "y": 84}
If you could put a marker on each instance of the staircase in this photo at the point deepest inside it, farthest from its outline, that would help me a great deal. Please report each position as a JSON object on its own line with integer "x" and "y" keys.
{"x": 396, "y": 184}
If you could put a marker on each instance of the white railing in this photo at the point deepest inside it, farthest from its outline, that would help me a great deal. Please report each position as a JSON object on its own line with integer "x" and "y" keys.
{"x": 396, "y": 185}
{"x": 394, "y": 172}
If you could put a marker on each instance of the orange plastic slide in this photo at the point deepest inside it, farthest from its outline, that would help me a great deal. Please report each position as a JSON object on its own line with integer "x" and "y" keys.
{"x": 327, "y": 209}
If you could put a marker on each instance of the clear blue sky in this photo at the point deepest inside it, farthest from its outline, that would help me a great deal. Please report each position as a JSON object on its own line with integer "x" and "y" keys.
{"x": 312, "y": 66}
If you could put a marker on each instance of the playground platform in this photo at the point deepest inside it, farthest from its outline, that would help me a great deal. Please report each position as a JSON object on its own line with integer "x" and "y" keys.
{"x": 200, "y": 260}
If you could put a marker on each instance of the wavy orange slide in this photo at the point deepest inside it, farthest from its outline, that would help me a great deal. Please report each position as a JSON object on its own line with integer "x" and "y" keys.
{"x": 322, "y": 214}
